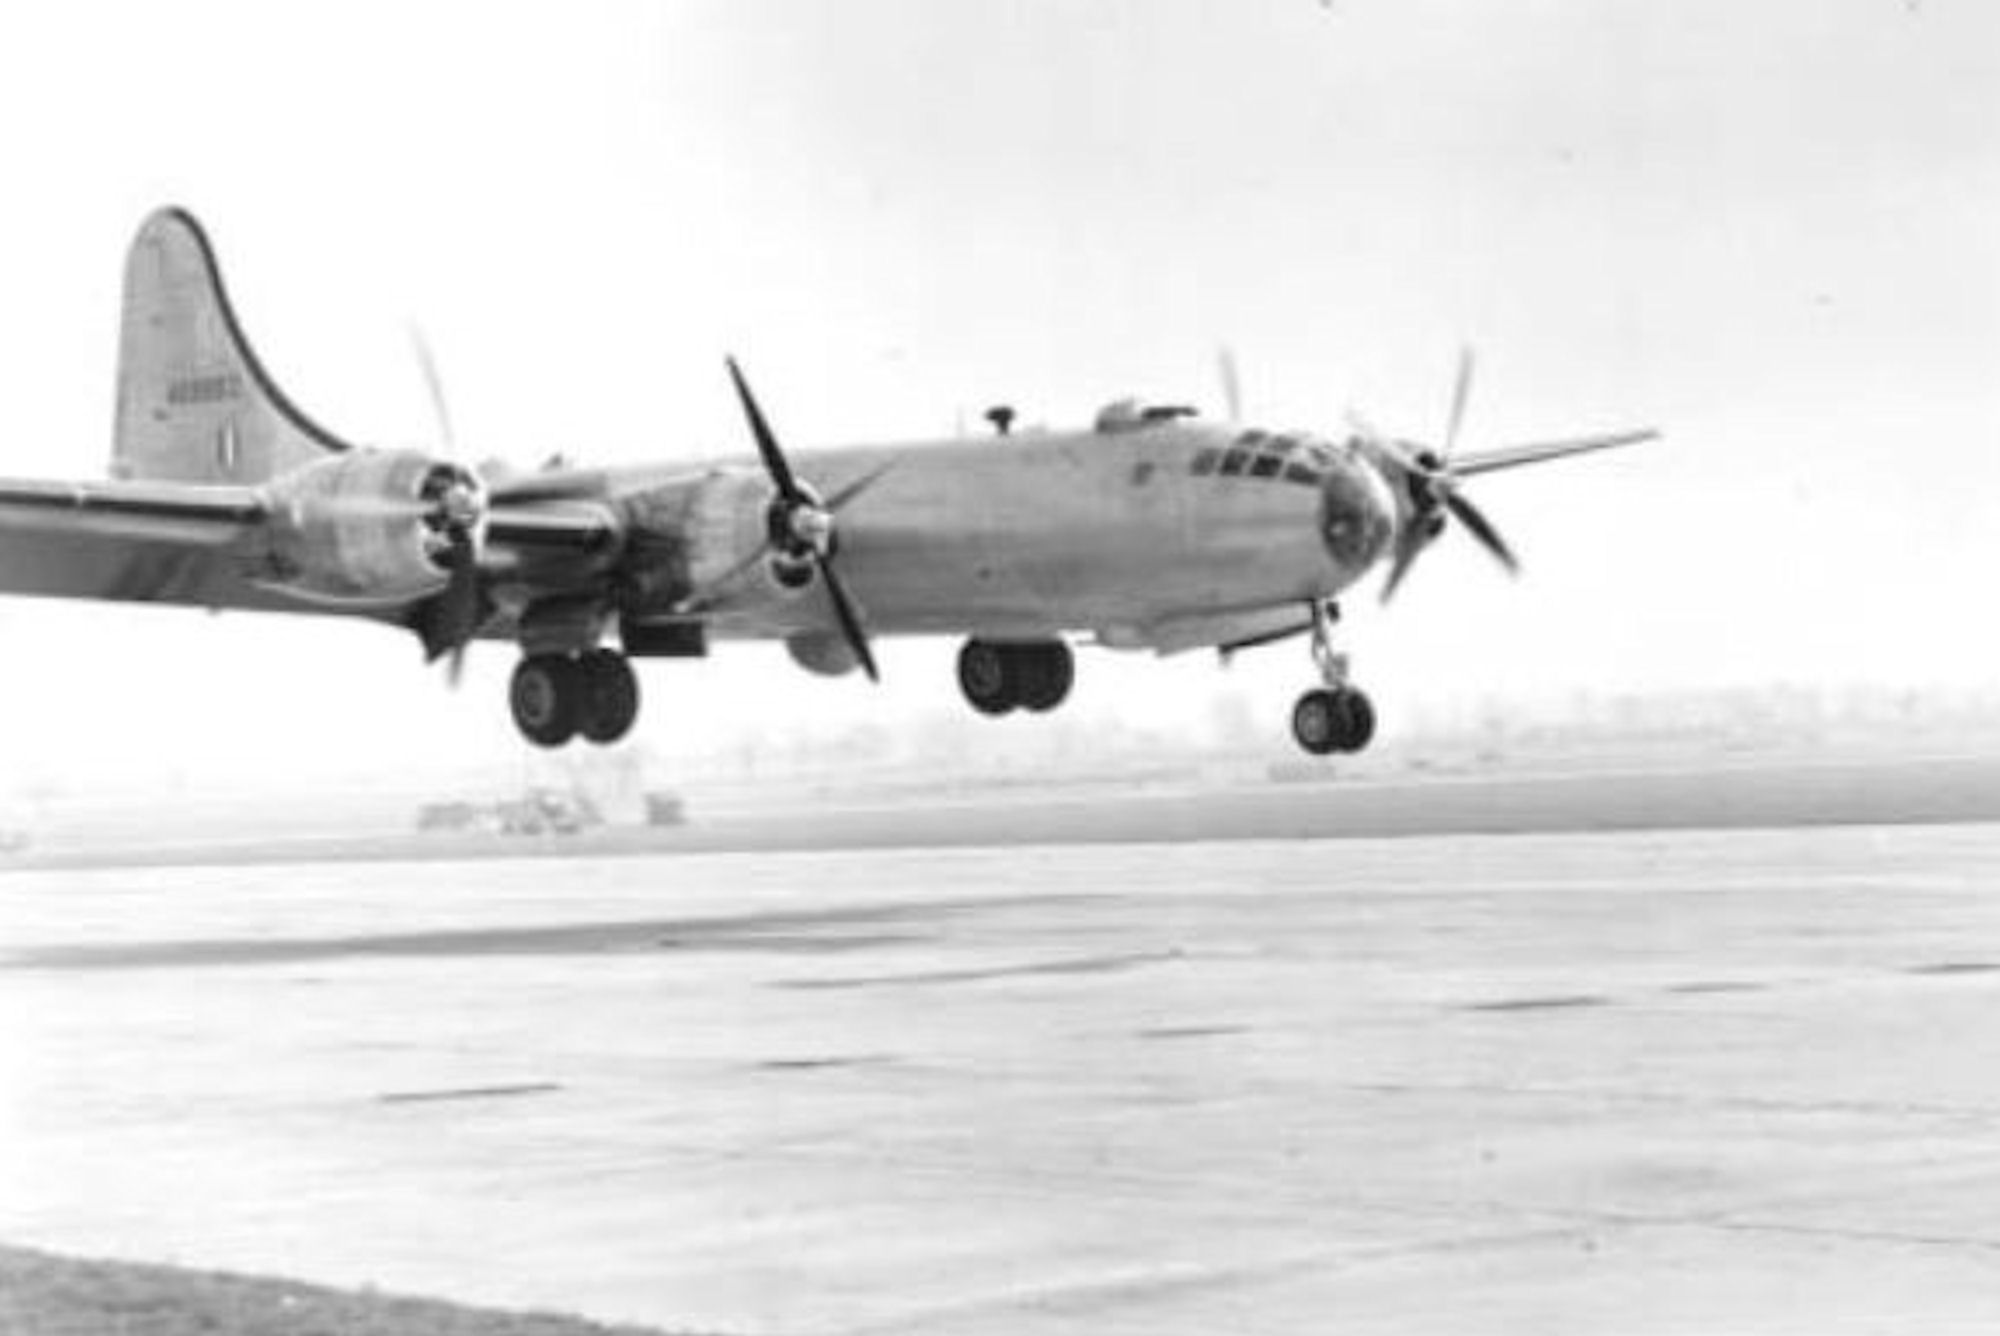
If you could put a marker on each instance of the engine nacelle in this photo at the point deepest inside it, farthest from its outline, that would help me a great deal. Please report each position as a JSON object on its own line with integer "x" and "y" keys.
{"x": 365, "y": 527}
{"x": 687, "y": 538}
{"x": 823, "y": 653}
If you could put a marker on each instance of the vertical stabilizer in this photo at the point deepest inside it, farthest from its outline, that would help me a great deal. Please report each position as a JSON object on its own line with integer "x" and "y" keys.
{"x": 194, "y": 404}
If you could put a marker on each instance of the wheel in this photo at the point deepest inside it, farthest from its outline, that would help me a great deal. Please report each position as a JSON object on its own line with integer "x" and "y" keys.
{"x": 607, "y": 696}
{"x": 1326, "y": 721}
{"x": 988, "y": 677}
{"x": 1358, "y": 728}
{"x": 543, "y": 695}
{"x": 1316, "y": 722}
{"x": 1045, "y": 671}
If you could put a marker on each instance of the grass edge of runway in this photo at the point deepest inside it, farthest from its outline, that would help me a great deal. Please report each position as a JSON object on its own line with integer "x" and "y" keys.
{"x": 43, "y": 1294}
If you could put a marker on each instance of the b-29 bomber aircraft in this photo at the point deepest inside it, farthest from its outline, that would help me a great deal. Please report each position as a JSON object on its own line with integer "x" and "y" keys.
{"x": 1153, "y": 530}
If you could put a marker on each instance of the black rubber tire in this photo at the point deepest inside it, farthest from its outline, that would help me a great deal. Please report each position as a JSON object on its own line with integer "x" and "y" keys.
{"x": 989, "y": 676}
{"x": 607, "y": 696}
{"x": 543, "y": 696}
{"x": 1316, "y": 722}
{"x": 1045, "y": 671}
{"x": 1357, "y": 723}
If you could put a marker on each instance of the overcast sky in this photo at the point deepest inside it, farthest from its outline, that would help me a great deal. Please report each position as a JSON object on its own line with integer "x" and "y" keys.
{"x": 1770, "y": 228}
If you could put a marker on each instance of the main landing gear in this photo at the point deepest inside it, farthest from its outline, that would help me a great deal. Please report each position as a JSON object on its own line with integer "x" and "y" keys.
{"x": 1002, "y": 675}
{"x": 556, "y": 697}
{"x": 1335, "y": 717}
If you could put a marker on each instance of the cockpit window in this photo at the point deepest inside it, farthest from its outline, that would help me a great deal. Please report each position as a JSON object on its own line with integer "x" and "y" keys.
{"x": 1304, "y": 460}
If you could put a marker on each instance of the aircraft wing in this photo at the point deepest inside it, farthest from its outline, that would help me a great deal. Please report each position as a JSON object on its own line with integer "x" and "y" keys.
{"x": 131, "y": 541}
{"x": 200, "y": 544}
{"x": 195, "y": 516}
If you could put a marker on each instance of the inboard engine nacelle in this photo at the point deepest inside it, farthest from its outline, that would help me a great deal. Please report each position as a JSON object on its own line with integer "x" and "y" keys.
{"x": 708, "y": 539}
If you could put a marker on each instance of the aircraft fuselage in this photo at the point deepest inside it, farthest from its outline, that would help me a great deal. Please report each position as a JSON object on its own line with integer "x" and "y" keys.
{"x": 1040, "y": 533}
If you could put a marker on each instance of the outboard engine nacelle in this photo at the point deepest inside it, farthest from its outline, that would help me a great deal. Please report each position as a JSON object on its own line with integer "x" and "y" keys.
{"x": 370, "y": 526}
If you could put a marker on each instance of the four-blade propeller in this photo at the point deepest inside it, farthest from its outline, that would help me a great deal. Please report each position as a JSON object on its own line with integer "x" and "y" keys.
{"x": 1430, "y": 486}
{"x": 801, "y": 527}
{"x": 456, "y": 510}
{"x": 458, "y": 513}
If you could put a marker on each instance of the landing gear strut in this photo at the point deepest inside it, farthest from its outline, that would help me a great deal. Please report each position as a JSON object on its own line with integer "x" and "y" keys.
{"x": 556, "y": 697}
{"x": 1002, "y": 675}
{"x": 1335, "y": 717}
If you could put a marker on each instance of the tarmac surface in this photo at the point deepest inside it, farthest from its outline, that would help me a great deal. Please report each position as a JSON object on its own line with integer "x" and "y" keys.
{"x": 1671, "y": 1081}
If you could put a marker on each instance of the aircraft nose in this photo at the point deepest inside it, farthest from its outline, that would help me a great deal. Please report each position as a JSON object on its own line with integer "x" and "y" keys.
{"x": 1356, "y": 514}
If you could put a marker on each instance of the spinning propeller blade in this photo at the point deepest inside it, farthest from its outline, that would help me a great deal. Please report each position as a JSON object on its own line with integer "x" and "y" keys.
{"x": 1461, "y": 389}
{"x": 460, "y": 607}
{"x": 848, "y": 616}
{"x": 1430, "y": 486}
{"x": 434, "y": 385}
{"x": 1431, "y": 481}
{"x": 1482, "y": 529}
{"x": 805, "y": 526}
{"x": 1232, "y": 383}
{"x": 459, "y": 510}
{"x": 767, "y": 444}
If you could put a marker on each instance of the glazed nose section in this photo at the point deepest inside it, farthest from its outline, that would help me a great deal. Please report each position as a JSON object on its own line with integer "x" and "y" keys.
{"x": 1357, "y": 516}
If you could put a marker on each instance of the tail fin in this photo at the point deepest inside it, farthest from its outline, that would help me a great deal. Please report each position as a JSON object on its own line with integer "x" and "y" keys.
{"x": 194, "y": 403}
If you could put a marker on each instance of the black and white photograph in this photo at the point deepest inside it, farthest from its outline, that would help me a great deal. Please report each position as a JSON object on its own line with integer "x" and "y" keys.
{"x": 899, "y": 668}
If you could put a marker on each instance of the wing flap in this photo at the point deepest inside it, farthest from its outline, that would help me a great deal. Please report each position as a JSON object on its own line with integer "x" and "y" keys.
{"x": 130, "y": 542}
{"x": 194, "y": 543}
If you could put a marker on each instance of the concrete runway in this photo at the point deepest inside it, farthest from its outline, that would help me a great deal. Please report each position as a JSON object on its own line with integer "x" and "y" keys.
{"x": 1662, "y": 1082}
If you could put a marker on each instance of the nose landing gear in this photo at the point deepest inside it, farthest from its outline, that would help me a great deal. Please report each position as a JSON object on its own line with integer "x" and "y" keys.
{"x": 1335, "y": 717}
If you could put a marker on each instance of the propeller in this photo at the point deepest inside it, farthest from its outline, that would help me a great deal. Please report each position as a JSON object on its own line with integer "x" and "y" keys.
{"x": 1232, "y": 381}
{"x": 434, "y": 385}
{"x": 802, "y": 527}
{"x": 455, "y": 508}
{"x": 1461, "y": 389}
{"x": 461, "y": 605}
{"x": 1431, "y": 485}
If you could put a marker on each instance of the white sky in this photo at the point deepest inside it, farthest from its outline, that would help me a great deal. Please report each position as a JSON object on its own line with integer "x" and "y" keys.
{"x": 1772, "y": 229}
